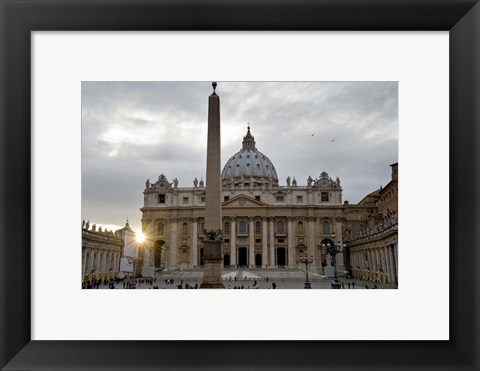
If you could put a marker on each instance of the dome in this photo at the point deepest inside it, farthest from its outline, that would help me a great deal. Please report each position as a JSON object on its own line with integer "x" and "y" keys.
{"x": 249, "y": 163}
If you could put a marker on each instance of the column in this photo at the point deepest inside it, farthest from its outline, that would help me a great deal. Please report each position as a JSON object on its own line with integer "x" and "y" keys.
{"x": 374, "y": 267}
{"x": 110, "y": 263}
{"x": 339, "y": 238}
{"x": 264, "y": 242}
{"x": 194, "y": 253}
{"x": 311, "y": 241}
{"x": 311, "y": 235}
{"x": 91, "y": 271}
{"x": 272, "y": 243}
{"x": 371, "y": 263}
{"x": 395, "y": 254}
{"x": 98, "y": 264}
{"x": 233, "y": 242}
{"x": 355, "y": 262}
{"x": 377, "y": 265}
{"x": 173, "y": 243}
{"x": 387, "y": 265}
{"x": 291, "y": 248}
{"x": 392, "y": 264}
{"x": 116, "y": 268}
{"x": 84, "y": 263}
{"x": 114, "y": 265}
{"x": 382, "y": 266}
{"x": 251, "y": 243}
{"x": 366, "y": 263}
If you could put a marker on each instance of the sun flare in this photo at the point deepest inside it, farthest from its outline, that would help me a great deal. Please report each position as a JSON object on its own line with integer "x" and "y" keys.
{"x": 140, "y": 237}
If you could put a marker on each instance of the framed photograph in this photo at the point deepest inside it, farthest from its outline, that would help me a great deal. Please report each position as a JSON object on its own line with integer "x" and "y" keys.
{"x": 280, "y": 227}
{"x": 57, "y": 98}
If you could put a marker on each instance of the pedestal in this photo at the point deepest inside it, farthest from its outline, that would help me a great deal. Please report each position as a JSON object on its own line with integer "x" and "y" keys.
{"x": 336, "y": 285}
{"x": 329, "y": 271}
{"x": 212, "y": 265}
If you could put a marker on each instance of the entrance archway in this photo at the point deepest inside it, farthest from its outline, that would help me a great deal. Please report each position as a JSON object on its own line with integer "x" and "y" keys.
{"x": 242, "y": 257}
{"x": 226, "y": 260}
{"x": 258, "y": 261}
{"x": 281, "y": 256}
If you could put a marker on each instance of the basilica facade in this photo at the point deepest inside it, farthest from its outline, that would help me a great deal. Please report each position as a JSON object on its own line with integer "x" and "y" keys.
{"x": 265, "y": 224}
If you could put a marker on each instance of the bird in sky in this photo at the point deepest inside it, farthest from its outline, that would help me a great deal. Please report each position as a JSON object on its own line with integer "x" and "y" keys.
{"x": 332, "y": 140}
{"x": 313, "y": 134}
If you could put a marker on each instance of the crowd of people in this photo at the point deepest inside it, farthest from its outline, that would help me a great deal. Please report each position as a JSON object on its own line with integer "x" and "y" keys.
{"x": 151, "y": 283}
{"x": 95, "y": 284}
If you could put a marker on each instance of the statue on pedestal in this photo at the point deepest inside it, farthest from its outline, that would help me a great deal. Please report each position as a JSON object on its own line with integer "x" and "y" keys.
{"x": 329, "y": 261}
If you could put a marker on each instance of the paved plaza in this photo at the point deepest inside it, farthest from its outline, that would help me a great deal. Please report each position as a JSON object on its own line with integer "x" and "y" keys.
{"x": 245, "y": 279}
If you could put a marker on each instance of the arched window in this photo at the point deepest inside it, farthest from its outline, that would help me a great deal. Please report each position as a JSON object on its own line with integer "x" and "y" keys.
{"x": 300, "y": 227}
{"x": 242, "y": 227}
{"x": 226, "y": 227}
{"x": 258, "y": 228}
{"x": 280, "y": 226}
{"x": 326, "y": 227}
{"x": 184, "y": 228}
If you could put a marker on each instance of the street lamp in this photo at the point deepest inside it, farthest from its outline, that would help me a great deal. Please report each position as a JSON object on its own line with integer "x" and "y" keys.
{"x": 306, "y": 260}
{"x": 133, "y": 260}
{"x": 333, "y": 250}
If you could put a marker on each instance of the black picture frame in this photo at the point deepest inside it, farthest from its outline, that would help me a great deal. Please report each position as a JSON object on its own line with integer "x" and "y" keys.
{"x": 18, "y": 18}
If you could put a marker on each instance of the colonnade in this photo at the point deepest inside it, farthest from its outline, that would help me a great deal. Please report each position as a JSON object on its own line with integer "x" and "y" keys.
{"x": 98, "y": 264}
{"x": 379, "y": 264}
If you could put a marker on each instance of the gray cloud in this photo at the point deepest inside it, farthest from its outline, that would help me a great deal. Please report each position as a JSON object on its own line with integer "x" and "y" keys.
{"x": 132, "y": 131}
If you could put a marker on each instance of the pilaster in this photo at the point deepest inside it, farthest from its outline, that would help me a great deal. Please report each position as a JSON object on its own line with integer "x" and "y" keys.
{"x": 264, "y": 242}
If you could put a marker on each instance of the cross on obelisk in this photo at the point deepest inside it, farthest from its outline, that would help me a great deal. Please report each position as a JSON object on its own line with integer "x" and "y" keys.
{"x": 212, "y": 235}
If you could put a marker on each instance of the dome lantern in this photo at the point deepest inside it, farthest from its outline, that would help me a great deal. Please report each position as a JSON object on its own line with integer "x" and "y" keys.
{"x": 248, "y": 140}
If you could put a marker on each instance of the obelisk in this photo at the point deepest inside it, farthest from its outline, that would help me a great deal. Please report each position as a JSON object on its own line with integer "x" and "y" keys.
{"x": 212, "y": 235}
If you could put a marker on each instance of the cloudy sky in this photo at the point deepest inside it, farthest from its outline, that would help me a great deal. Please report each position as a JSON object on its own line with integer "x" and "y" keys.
{"x": 134, "y": 131}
